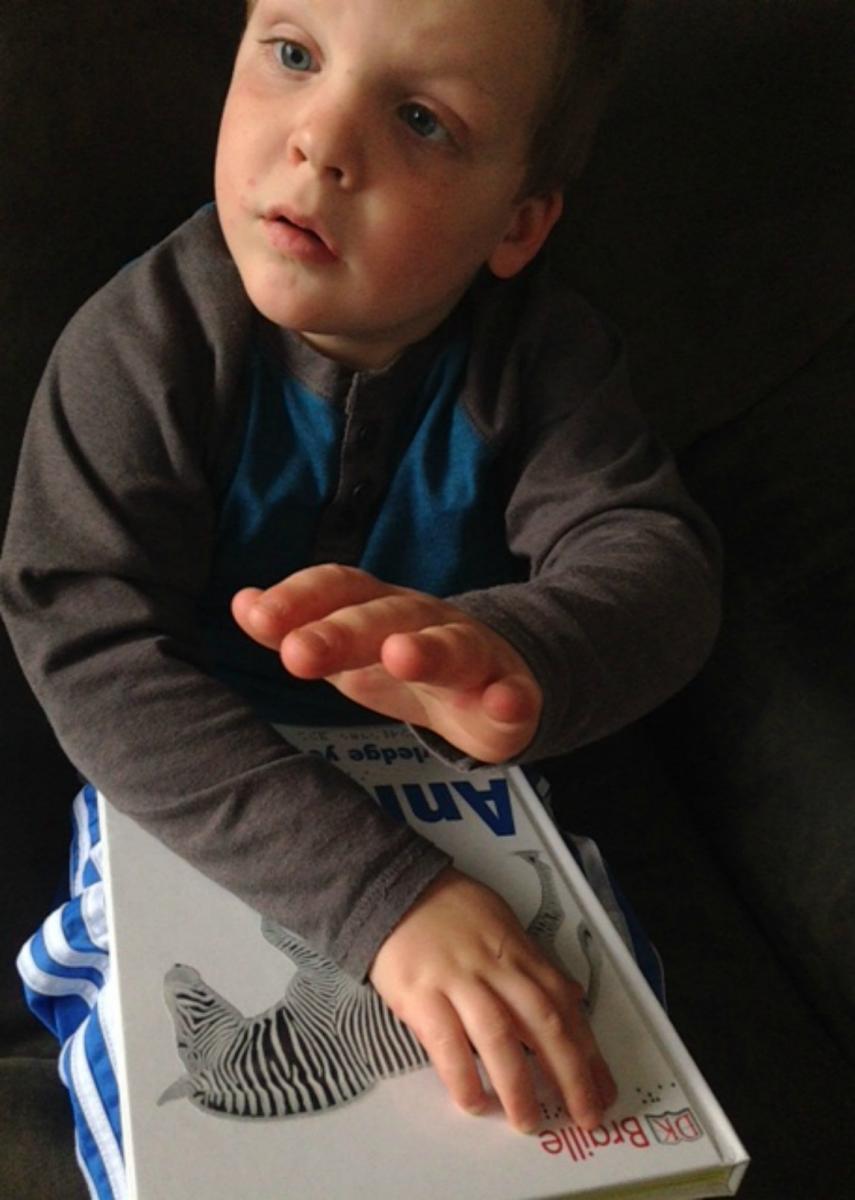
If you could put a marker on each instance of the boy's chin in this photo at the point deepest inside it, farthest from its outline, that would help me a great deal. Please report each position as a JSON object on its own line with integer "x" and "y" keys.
{"x": 335, "y": 330}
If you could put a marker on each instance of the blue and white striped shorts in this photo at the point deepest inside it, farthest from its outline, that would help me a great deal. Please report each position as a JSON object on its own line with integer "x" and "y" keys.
{"x": 68, "y": 984}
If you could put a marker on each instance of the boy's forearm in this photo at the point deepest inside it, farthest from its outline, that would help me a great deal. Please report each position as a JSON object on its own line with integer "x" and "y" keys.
{"x": 619, "y": 615}
{"x": 622, "y": 601}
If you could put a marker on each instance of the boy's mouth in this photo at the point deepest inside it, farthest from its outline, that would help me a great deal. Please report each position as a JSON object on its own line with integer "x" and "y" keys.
{"x": 299, "y": 237}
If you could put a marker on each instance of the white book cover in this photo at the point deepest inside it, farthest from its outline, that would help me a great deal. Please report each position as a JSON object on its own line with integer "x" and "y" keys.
{"x": 253, "y": 1069}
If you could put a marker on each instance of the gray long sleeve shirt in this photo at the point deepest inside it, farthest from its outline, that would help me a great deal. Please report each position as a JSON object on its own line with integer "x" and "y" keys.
{"x": 111, "y": 540}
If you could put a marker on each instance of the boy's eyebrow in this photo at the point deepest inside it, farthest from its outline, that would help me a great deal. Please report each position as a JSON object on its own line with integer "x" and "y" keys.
{"x": 446, "y": 67}
{"x": 455, "y": 77}
{"x": 281, "y": 10}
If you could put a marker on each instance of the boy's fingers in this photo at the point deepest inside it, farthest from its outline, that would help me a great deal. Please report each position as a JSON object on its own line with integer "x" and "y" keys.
{"x": 496, "y": 1038}
{"x": 558, "y": 1031}
{"x": 253, "y": 619}
{"x": 441, "y": 1033}
{"x": 353, "y": 637}
{"x": 604, "y": 1080}
{"x": 408, "y": 656}
{"x": 514, "y": 700}
{"x": 467, "y": 659}
{"x": 455, "y": 655}
{"x": 306, "y": 596}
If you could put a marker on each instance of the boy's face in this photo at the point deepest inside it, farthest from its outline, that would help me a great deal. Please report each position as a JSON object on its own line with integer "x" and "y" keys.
{"x": 370, "y": 160}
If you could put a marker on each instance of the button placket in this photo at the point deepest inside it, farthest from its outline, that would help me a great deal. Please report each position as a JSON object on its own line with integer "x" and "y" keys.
{"x": 366, "y": 433}
{"x": 342, "y": 530}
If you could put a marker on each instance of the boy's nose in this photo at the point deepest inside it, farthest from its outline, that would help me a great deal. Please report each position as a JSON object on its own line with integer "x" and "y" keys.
{"x": 325, "y": 140}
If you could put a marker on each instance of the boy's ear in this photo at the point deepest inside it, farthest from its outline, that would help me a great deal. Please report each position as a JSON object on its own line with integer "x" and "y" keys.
{"x": 529, "y": 228}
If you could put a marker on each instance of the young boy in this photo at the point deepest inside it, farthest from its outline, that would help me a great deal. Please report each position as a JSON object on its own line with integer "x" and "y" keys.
{"x": 350, "y": 406}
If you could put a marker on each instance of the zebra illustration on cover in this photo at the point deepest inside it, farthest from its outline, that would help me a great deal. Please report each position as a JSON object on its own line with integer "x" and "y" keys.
{"x": 328, "y": 1039}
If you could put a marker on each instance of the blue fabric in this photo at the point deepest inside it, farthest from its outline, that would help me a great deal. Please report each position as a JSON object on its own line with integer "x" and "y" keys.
{"x": 60, "y": 1014}
{"x": 102, "y": 1072}
{"x": 441, "y": 527}
{"x": 52, "y": 976}
{"x": 88, "y": 1151}
{"x": 643, "y": 950}
{"x": 598, "y": 873}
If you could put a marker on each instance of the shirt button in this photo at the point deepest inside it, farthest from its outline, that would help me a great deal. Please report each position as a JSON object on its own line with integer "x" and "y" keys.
{"x": 366, "y": 433}
{"x": 358, "y": 492}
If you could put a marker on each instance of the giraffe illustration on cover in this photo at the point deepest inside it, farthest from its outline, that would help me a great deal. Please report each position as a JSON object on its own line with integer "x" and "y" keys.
{"x": 329, "y": 1038}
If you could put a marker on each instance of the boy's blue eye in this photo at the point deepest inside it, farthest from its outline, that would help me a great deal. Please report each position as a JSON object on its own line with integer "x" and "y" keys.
{"x": 423, "y": 122}
{"x": 294, "y": 56}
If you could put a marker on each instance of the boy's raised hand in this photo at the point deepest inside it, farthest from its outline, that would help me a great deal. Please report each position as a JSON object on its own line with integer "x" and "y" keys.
{"x": 460, "y": 970}
{"x": 401, "y": 653}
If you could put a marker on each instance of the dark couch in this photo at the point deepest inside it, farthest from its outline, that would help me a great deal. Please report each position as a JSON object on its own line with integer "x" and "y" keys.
{"x": 715, "y": 225}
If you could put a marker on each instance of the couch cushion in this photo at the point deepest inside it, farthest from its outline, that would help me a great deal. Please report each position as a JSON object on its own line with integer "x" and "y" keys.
{"x": 774, "y": 1069}
{"x": 714, "y": 223}
{"x": 108, "y": 118}
{"x": 36, "y": 1133}
{"x": 767, "y": 731}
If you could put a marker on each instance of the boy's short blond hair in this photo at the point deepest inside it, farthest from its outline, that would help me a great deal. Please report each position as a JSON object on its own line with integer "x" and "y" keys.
{"x": 584, "y": 70}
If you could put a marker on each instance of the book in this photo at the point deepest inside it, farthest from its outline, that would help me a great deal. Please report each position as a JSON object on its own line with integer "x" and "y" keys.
{"x": 253, "y": 1069}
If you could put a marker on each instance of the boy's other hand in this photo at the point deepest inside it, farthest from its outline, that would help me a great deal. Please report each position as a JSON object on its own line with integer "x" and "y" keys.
{"x": 401, "y": 653}
{"x": 460, "y": 970}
